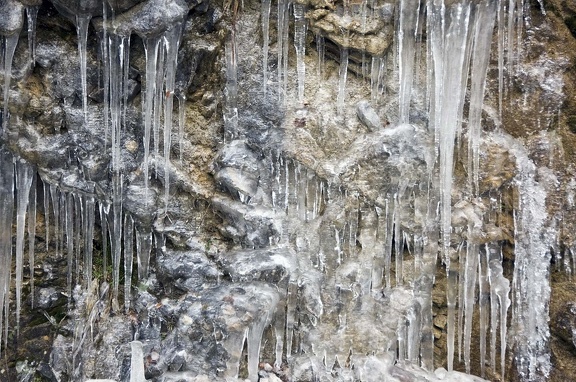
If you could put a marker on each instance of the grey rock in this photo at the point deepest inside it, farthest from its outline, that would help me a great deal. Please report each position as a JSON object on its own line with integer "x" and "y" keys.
{"x": 46, "y": 298}
{"x": 148, "y": 18}
{"x": 11, "y": 17}
{"x": 239, "y": 184}
{"x": 367, "y": 115}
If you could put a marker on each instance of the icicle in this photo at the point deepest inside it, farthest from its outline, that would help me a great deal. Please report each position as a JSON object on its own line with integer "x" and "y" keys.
{"x": 484, "y": 24}
{"x": 321, "y": 49}
{"x": 171, "y": 42}
{"x": 10, "y": 43}
{"x": 483, "y": 305}
{"x": 32, "y": 235}
{"x": 451, "y": 289}
{"x": 282, "y": 45}
{"x": 151, "y": 47}
{"x": 104, "y": 211}
{"x": 78, "y": 227}
{"x": 88, "y": 220}
{"x": 266, "y": 38}
{"x": 398, "y": 255}
{"x": 454, "y": 55}
{"x": 31, "y": 15}
{"x": 343, "y": 73}
{"x": 6, "y": 213}
{"x": 105, "y": 48}
{"x": 24, "y": 174}
{"x": 55, "y": 195}
{"x": 69, "y": 243}
{"x": 158, "y": 100}
{"x": 254, "y": 340}
{"x": 501, "y": 287}
{"x": 231, "y": 89}
{"x": 137, "y": 373}
{"x": 501, "y": 37}
{"x": 409, "y": 11}
{"x": 181, "y": 125}
{"x": 82, "y": 23}
{"x": 143, "y": 248}
{"x": 470, "y": 276}
{"x": 116, "y": 238}
{"x": 300, "y": 45}
{"x": 128, "y": 258}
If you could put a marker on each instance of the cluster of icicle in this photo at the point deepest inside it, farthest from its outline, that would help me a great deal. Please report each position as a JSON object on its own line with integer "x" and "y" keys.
{"x": 457, "y": 55}
{"x": 74, "y": 214}
{"x": 74, "y": 217}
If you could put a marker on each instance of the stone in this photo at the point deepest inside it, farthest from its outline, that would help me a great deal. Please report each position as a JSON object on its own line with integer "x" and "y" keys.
{"x": 368, "y": 116}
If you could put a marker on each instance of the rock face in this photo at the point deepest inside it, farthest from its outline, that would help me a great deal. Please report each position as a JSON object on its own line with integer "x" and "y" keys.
{"x": 293, "y": 205}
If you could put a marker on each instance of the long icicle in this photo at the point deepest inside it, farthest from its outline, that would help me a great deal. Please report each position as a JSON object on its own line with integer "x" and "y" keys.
{"x": 82, "y": 23}
{"x": 32, "y": 236}
{"x": 24, "y": 174}
{"x": 266, "y": 42}
{"x": 6, "y": 213}
{"x": 10, "y": 43}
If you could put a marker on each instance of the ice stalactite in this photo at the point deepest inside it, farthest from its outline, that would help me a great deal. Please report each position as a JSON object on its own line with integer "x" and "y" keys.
{"x": 282, "y": 46}
{"x": 6, "y": 213}
{"x": 31, "y": 16}
{"x": 231, "y": 89}
{"x": 321, "y": 51}
{"x": 82, "y": 23}
{"x": 151, "y": 48}
{"x": 448, "y": 61}
{"x": 117, "y": 226}
{"x": 70, "y": 217}
{"x": 470, "y": 277}
{"x": 24, "y": 175}
{"x": 300, "y": 45}
{"x": 408, "y": 15}
{"x": 171, "y": 42}
{"x": 10, "y": 43}
{"x": 181, "y": 125}
{"x": 88, "y": 219}
{"x": 265, "y": 16}
{"x": 104, "y": 210}
{"x": 483, "y": 27}
{"x": 55, "y": 196}
{"x": 343, "y": 73}
{"x": 143, "y": 248}
{"x": 32, "y": 235}
{"x": 128, "y": 259}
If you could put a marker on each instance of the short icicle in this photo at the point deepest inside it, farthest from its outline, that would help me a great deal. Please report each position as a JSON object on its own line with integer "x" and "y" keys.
{"x": 32, "y": 15}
